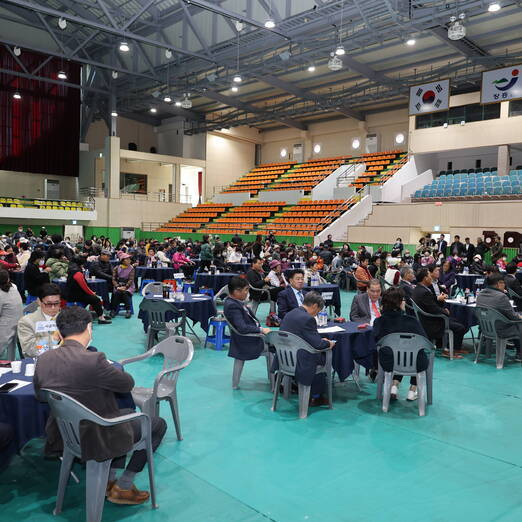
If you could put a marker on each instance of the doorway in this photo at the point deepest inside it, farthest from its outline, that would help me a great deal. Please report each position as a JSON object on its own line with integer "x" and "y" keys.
{"x": 189, "y": 185}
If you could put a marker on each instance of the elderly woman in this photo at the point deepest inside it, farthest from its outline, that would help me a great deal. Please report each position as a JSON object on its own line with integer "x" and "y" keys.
{"x": 10, "y": 313}
{"x": 394, "y": 320}
{"x": 123, "y": 285}
{"x": 447, "y": 275}
{"x": 35, "y": 273}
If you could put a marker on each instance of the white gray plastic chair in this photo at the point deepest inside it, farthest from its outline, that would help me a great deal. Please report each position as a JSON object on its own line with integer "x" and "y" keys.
{"x": 238, "y": 364}
{"x": 447, "y": 333}
{"x": 219, "y": 300}
{"x": 154, "y": 289}
{"x": 30, "y": 308}
{"x": 69, "y": 413}
{"x": 287, "y": 345}
{"x": 157, "y": 310}
{"x": 264, "y": 297}
{"x": 489, "y": 319}
{"x": 405, "y": 347}
{"x": 177, "y": 354}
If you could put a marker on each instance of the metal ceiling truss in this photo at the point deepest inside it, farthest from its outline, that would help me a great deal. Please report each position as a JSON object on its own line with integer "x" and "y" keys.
{"x": 97, "y": 26}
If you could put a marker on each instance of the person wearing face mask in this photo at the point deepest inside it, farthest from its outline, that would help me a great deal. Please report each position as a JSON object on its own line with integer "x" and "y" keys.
{"x": 36, "y": 273}
{"x": 244, "y": 322}
{"x": 88, "y": 377}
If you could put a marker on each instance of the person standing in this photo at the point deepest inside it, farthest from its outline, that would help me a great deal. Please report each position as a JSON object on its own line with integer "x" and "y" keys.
{"x": 10, "y": 313}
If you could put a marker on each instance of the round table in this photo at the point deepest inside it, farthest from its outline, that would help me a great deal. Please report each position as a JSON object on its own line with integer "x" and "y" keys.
{"x": 198, "y": 309}
{"x": 469, "y": 281}
{"x": 17, "y": 277}
{"x": 214, "y": 281}
{"x": 21, "y": 410}
{"x": 353, "y": 345}
{"x": 99, "y": 286}
{"x": 335, "y": 301}
{"x": 239, "y": 267}
{"x": 156, "y": 274}
{"x": 462, "y": 312}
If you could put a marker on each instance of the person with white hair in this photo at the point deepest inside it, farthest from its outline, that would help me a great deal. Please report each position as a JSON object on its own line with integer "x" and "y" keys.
{"x": 477, "y": 265}
{"x": 392, "y": 275}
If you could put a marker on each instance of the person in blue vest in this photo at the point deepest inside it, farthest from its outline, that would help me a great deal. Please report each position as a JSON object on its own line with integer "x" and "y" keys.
{"x": 293, "y": 295}
{"x": 244, "y": 321}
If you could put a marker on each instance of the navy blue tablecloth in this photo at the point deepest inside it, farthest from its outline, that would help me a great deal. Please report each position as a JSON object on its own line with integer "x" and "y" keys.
{"x": 326, "y": 288}
{"x": 239, "y": 267}
{"x": 463, "y": 313}
{"x": 353, "y": 345}
{"x": 519, "y": 275}
{"x": 18, "y": 279}
{"x": 216, "y": 281}
{"x": 27, "y": 416}
{"x": 157, "y": 274}
{"x": 198, "y": 310}
{"x": 468, "y": 281}
{"x": 99, "y": 286}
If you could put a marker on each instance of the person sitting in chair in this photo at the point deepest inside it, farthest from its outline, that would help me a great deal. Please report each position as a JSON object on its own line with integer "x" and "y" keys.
{"x": 293, "y": 295}
{"x": 301, "y": 322}
{"x": 36, "y": 331}
{"x": 244, "y": 322}
{"x": 256, "y": 278}
{"x": 366, "y": 306}
{"x": 394, "y": 320}
{"x": 89, "y": 378}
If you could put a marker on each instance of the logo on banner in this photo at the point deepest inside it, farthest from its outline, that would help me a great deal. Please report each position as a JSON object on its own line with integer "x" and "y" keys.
{"x": 501, "y": 84}
{"x": 431, "y": 97}
{"x": 504, "y": 84}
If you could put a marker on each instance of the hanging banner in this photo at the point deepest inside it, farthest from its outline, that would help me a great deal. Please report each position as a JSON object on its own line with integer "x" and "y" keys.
{"x": 429, "y": 97}
{"x": 501, "y": 84}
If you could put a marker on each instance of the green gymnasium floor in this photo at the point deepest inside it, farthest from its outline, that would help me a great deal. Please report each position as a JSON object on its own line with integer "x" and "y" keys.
{"x": 241, "y": 462}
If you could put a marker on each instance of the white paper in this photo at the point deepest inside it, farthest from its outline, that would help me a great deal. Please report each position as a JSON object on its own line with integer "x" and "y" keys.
{"x": 199, "y": 295}
{"x": 20, "y": 384}
{"x": 45, "y": 326}
{"x": 3, "y": 371}
{"x": 330, "y": 329}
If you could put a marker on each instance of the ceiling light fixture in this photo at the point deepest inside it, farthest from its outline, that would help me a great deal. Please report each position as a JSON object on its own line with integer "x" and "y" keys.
{"x": 168, "y": 54}
{"x": 17, "y": 96}
{"x": 311, "y": 68}
{"x": 114, "y": 114}
{"x": 234, "y": 88}
{"x": 411, "y": 41}
{"x": 335, "y": 63}
{"x": 339, "y": 50}
{"x": 62, "y": 75}
{"x": 177, "y": 103}
{"x": 237, "y": 78}
{"x": 17, "y": 51}
{"x": 457, "y": 29}
{"x": 494, "y": 7}
{"x": 270, "y": 24}
{"x": 153, "y": 110}
{"x": 356, "y": 143}
{"x": 167, "y": 99}
{"x": 124, "y": 47}
{"x": 62, "y": 23}
{"x": 114, "y": 74}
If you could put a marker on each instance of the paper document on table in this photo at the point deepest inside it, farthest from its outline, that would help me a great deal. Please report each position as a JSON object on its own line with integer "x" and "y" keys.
{"x": 199, "y": 295}
{"x": 330, "y": 329}
{"x": 4, "y": 370}
{"x": 20, "y": 384}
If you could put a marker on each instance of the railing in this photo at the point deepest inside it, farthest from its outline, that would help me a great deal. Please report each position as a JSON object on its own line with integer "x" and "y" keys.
{"x": 343, "y": 179}
{"x": 343, "y": 207}
{"x": 50, "y": 203}
{"x": 150, "y": 226}
{"x": 162, "y": 197}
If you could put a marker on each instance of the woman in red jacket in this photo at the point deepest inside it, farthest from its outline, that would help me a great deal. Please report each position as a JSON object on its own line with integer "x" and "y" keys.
{"x": 77, "y": 289}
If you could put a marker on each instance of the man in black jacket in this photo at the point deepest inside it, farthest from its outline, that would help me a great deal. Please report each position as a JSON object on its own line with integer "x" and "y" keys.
{"x": 513, "y": 283}
{"x": 469, "y": 251}
{"x": 456, "y": 248}
{"x": 426, "y": 300}
{"x": 257, "y": 278}
{"x": 442, "y": 245}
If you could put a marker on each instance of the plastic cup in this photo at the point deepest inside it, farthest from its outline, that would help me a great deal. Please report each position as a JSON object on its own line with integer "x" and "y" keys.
{"x": 29, "y": 370}
{"x": 93, "y": 278}
{"x": 16, "y": 366}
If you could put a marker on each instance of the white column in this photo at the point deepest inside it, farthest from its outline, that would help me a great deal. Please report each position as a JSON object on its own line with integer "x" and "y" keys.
{"x": 503, "y": 160}
{"x": 112, "y": 166}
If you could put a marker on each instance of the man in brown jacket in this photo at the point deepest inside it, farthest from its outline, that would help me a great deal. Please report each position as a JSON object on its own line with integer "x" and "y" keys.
{"x": 91, "y": 379}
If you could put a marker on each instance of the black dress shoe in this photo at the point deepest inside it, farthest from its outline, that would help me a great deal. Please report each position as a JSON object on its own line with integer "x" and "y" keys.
{"x": 372, "y": 375}
{"x": 319, "y": 401}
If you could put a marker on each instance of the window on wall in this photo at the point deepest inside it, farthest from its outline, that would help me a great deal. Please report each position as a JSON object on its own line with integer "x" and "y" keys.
{"x": 133, "y": 183}
{"x": 455, "y": 115}
{"x": 515, "y": 108}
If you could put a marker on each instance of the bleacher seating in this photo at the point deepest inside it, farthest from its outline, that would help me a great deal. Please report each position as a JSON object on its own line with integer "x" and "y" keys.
{"x": 258, "y": 178}
{"x": 44, "y": 204}
{"x": 474, "y": 186}
{"x": 305, "y": 176}
{"x": 380, "y": 167}
{"x": 308, "y": 217}
{"x": 194, "y": 218}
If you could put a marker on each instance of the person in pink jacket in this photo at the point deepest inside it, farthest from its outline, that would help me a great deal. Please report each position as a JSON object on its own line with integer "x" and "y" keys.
{"x": 180, "y": 261}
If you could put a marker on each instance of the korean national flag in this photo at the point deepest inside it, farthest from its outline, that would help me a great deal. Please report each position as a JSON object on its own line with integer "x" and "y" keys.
{"x": 429, "y": 97}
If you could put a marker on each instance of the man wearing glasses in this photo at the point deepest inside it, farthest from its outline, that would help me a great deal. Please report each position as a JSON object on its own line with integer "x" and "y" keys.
{"x": 37, "y": 331}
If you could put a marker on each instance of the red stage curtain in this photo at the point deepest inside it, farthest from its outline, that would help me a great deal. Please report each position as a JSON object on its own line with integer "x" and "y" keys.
{"x": 41, "y": 132}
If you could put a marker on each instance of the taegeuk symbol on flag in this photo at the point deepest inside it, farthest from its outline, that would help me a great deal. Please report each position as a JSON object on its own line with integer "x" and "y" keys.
{"x": 429, "y": 97}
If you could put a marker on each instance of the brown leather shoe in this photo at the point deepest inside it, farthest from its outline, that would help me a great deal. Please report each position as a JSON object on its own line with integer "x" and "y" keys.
{"x": 319, "y": 401}
{"x": 127, "y": 496}
{"x": 110, "y": 484}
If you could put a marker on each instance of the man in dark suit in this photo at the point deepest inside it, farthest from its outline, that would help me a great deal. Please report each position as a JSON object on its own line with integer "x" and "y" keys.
{"x": 407, "y": 282}
{"x": 257, "y": 278}
{"x": 293, "y": 295}
{"x": 457, "y": 247}
{"x": 366, "y": 307}
{"x": 426, "y": 300}
{"x": 244, "y": 321}
{"x": 301, "y": 322}
{"x": 494, "y": 296}
{"x": 513, "y": 283}
{"x": 469, "y": 251}
{"x": 442, "y": 245}
{"x": 89, "y": 378}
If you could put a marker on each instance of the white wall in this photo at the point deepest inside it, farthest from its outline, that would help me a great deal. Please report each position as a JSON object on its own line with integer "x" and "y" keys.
{"x": 30, "y": 185}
